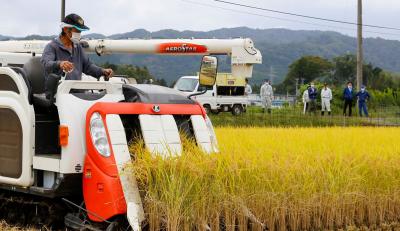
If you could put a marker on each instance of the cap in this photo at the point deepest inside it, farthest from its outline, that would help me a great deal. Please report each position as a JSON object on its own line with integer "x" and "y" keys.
{"x": 74, "y": 20}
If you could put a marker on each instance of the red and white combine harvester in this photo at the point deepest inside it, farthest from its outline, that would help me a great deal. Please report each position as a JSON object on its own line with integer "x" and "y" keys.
{"x": 76, "y": 147}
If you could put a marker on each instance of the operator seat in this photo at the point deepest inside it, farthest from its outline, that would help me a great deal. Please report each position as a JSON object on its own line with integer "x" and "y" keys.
{"x": 35, "y": 73}
{"x": 22, "y": 73}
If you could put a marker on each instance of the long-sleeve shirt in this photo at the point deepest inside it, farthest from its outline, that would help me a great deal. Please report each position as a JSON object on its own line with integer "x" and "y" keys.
{"x": 363, "y": 96}
{"x": 305, "y": 97}
{"x": 248, "y": 89}
{"x": 266, "y": 90}
{"x": 326, "y": 93}
{"x": 312, "y": 93}
{"x": 55, "y": 52}
{"x": 348, "y": 94}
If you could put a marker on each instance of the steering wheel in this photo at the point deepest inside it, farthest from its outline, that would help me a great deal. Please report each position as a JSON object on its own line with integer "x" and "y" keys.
{"x": 104, "y": 77}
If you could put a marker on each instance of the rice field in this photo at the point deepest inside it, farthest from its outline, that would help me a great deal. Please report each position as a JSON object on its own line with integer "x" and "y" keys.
{"x": 6, "y": 227}
{"x": 333, "y": 178}
{"x": 276, "y": 179}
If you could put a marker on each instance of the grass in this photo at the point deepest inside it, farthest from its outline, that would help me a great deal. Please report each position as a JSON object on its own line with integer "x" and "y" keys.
{"x": 276, "y": 179}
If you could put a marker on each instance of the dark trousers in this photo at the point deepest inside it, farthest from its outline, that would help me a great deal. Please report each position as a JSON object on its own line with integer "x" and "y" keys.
{"x": 349, "y": 104}
{"x": 362, "y": 107}
{"x": 312, "y": 106}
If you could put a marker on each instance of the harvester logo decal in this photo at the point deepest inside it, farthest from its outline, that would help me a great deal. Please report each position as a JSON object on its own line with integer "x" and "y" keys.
{"x": 78, "y": 168}
{"x": 156, "y": 108}
{"x": 181, "y": 48}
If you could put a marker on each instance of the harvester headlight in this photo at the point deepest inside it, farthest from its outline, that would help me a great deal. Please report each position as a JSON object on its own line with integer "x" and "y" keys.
{"x": 213, "y": 137}
{"x": 99, "y": 135}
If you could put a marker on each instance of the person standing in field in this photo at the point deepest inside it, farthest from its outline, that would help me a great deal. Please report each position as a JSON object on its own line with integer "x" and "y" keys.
{"x": 266, "y": 93}
{"x": 326, "y": 97}
{"x": 363, "y": 96}
{"x": 306, "y": 100}
{"x": 247, "y": 89}
{"x": 348, "y": 96}
{"x": 312, "y": 95}
{"x": 263, "y": 95}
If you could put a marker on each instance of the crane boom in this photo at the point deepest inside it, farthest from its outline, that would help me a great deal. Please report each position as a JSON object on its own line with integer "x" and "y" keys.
{"x": 241, "y": 50}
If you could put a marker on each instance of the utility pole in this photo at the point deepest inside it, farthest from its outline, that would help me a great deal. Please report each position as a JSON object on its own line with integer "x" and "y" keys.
{"x": 359, "y": 46}
{"x": 62, "y": 9}
{"x": 272, "y": 74}
{"x": 297, "y": 87}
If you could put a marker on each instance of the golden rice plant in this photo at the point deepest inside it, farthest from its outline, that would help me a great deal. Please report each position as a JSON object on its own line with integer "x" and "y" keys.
{"x": 275, "y": 179}
{"x": 6, "y": 227}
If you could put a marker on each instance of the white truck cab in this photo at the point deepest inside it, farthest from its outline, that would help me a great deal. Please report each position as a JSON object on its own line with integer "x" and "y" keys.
{"x": 216, "y": 98}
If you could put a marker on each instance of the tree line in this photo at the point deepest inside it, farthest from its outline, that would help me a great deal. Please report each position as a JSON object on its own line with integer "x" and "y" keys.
{"x": 141, "y": 74}
{"x": 336, "y": 72}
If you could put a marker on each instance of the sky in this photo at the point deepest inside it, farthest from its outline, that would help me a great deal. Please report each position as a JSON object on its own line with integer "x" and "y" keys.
{"x": 22, "y": 17}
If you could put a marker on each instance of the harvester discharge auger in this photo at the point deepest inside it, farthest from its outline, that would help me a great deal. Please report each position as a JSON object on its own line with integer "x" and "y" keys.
{"x": 76, "y": 147}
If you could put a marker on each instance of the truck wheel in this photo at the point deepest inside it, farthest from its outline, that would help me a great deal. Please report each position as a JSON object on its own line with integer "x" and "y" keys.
{"x": 207, "y": 108}
{"x": 215, "y": 112}
{"x": 237, "y": 110}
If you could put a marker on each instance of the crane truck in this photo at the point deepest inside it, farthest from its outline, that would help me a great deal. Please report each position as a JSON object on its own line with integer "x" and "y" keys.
{"x": 226, "y": 95}
{"x": 76, "y": 147}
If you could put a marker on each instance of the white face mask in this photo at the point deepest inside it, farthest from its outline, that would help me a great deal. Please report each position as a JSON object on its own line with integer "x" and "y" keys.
{"x": 312, "y": 86}
{"x": 362, "y": 89}
{"x": 75, "y": 37}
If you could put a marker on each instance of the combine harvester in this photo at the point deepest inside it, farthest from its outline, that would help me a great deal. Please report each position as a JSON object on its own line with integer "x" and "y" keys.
{"x": 73, "y": 151}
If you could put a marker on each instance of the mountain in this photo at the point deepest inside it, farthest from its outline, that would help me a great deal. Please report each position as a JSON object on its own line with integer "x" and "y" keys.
{"x": 94, "y": 36}
{"x": 2, "y": 37}
{"x": 280, "y": 47}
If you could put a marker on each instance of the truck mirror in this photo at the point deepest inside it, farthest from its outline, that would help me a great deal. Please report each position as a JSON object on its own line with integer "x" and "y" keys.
{"x": 208, "y": 71}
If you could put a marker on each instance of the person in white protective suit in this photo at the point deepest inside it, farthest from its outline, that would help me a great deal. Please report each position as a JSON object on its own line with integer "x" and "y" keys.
{"x": 306, "y": 100}
{"x": 326, "y": 97}
{"x": 247, "y": 89}
{"x": 266, "y": 93}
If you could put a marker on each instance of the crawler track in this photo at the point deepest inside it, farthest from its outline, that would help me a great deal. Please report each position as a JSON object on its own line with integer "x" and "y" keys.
{"x": 24, "y": 210}
{"x": 27, "y": 210}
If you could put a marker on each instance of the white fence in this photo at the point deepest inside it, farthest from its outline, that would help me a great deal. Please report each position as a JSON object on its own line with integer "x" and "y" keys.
{"x": 277, "y": 101}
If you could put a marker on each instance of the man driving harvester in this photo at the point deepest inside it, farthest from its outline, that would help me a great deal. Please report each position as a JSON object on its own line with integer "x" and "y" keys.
{"x": 65, "y": 56}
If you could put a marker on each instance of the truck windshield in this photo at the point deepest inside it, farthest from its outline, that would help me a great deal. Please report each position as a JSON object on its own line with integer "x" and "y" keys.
{"x": 186, "y": 84}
